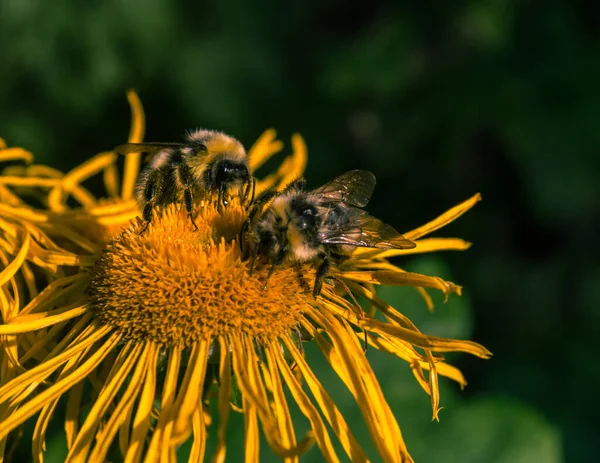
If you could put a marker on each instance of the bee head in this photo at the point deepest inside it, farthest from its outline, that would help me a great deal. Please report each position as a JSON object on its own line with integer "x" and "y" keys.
{"x": 227, "y": 172}
{"x": 306, "y": 217}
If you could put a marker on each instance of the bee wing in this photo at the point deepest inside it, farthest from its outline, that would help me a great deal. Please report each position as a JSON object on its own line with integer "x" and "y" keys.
{"x": 150, "y": 148}
{"x": 364, "y": 230}
{"x": 354, "y": 188}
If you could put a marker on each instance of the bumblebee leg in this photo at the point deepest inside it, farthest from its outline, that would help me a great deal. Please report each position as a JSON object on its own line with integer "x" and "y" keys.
{"x": 245, "y": 226}
{"x": 321, "y": 272}
{"x": 185, "y": 177}
{"x": 300, "y": 345}
{"x": 253, "y": 190}
{"x": 252, "y": 261}
{"x": 153, "y": 191}
{"x": 221, "y": 200}
{"x": 276, "y": 263}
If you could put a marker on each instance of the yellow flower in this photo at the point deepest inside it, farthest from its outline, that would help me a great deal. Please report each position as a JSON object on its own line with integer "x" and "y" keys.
{"x": 95, "y": 314}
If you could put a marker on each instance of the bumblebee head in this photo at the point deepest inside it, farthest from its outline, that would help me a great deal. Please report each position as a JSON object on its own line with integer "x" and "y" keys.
{"x": 226, "y": 171}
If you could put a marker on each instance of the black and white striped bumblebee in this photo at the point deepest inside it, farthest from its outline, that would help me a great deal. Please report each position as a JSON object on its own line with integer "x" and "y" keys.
{"x": 325, "y": 224}
{"x": 207, "y": 163}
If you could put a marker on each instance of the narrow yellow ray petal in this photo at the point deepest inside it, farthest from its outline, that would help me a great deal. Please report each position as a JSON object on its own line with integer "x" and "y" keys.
{"x": 321, "y": 434}
{"x": 55, "y": 290}
{"x": 265, "y": 147}
{"x": 444, "y": 219}
{"x": 14, "y": 386}
{"x": 29, "y": 181}
{"x": 189, "y": 395}
{"x": 111, "y": 180}
{"x": 400, "y": 278}
{"x": 15, "y": 154}
{"x": 224, "y": 399}
{"x": 168, "y": 398}
{"x": 138, "y": 118}
{"x": 343, "y": 362}
{"x": 30, "y": 408}
{"x": 72, "y": 414}
{"x": 141, "y": 421}
{"x": 328, "y": 408}
{"x": 434, "y": 343}
{"x": 422, "y": 246}
{"x": 199, "y": 443}
{"x": 41, "y": 320}
{"x": 56, "y": 197}
{"x": 251, "y": 440}
{"x": 9, "y": 197}
{"x": 279, "y": 403}
{"x": 11, "y": 269}
{"x": 39, "y": 434}
{"x": 245, "y": 368}
{"x": 24, "y": 213}
{"x": 136, "y": 135}
{"x": 125, "y": 427}
{"x": 297, "y": 165}
{"x": 105, "y": 436}
{"x": 433, "y": 386}
{"x": 127, "y": 359}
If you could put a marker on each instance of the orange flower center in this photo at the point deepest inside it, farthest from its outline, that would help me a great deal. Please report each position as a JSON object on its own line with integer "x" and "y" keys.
{"x": 174, "y": 285}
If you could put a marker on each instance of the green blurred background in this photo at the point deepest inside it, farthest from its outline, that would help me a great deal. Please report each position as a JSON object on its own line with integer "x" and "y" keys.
{"x": 440, "y": 100}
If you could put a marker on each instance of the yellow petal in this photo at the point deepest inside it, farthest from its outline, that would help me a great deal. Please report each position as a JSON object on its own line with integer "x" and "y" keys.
{"x": 434, "y": 343}
{"x": 330, "y": 411}
{"x": 41, "y": 320}
{"x": 105, "y": 436}
{"x": 189, "y": 395}
{"x": 199, "y": 443}
{"x": 136, "y": 135}
{"x": 164, "y": 425}
{"x": 444, "y": 219}
{"x": 72, "y": 413}
{"x": 14, "y": 154}
{"x": 11, "y": 269}
{"x": 400, "y": 278}
{"x": 422, "y": 246}
{"x": 279, "y": 404}
{"x": 30, "y": 408}
{"x": 306, "y": 407}
{"x": 348, "y": 360}
{"x": 297, "y": 165}
{"x": 224, "y": 399}
{"x": 57, "y": 196}
{"x": 141, "y": 421}
{"x": 265, "y": 147}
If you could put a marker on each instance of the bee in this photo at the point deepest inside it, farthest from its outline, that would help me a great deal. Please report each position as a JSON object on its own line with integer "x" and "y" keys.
{"x": 208, "y": 162}
{"x": 325, "y": 224}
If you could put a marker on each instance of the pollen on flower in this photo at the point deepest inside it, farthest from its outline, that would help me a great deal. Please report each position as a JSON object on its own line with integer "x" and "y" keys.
{"x": 175, "y": 285}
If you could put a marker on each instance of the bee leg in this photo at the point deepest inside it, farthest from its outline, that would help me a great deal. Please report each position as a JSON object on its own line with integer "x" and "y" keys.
{"x": 152, "y": 193}
{"x": 185, "y": 177}
{"x": 252, "y": 261}
{"x": 276, "y": 263}
{"x": 241, "y": 235}
{"x": 321, "y": 272}
{"x": 253, "y": 190}
{"x": 300, "y": 345}
{"x": 221, "y": 199}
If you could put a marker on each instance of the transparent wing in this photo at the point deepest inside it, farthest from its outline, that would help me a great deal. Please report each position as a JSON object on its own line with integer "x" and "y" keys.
{"x": 150, "y": 148}
{"x": 354, "y": 188}
{"x": 364, "y": 230}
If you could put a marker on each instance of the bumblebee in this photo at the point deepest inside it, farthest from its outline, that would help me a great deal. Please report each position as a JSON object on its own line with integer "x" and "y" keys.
{"x": 325, "y": 224}
{"x": 208, "y": 162}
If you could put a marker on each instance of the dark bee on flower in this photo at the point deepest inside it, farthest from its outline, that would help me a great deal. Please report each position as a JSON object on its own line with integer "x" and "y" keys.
{"x": 323, "y": 225}
{"x": 207, "y": 163}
